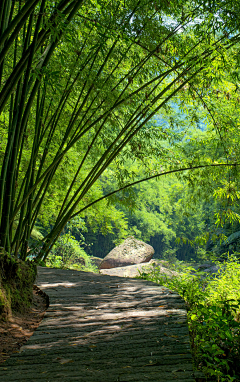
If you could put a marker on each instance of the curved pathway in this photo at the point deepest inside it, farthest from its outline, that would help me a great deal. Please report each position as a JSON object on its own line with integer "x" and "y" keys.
{"x": 102, "y": 328}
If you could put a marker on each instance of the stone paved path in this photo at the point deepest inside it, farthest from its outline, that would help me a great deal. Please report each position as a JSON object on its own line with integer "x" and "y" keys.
{"x": 102, "y": 328}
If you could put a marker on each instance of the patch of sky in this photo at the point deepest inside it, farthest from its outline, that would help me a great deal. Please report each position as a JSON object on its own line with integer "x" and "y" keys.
{"x": 181, "y": 118}
{"x": 170, "y": 22}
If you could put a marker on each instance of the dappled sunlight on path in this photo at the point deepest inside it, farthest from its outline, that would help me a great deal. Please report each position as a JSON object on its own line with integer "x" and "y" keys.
{"x": 102, "y": 328}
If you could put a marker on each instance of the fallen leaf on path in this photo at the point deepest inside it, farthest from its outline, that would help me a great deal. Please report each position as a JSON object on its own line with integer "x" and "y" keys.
{"x": 63, "y": 361}
{"x": 175, "y": 371}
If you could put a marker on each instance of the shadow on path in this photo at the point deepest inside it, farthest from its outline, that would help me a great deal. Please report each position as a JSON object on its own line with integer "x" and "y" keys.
{"x": 102, "y": 328}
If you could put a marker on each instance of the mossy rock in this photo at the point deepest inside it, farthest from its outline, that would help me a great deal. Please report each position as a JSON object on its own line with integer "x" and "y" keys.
{"x": 16, "y": 284}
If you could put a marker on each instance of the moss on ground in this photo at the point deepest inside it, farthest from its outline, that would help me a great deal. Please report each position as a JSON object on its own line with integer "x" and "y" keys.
{"x": 16, "y": 285}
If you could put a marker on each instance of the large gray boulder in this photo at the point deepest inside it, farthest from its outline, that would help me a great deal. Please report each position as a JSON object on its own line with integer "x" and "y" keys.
{"x": 131, "y": 251}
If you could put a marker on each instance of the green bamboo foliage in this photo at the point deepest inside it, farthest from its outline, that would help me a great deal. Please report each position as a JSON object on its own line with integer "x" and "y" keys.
{"x": 114, "y": 75}
{"x": 28, "y": 22}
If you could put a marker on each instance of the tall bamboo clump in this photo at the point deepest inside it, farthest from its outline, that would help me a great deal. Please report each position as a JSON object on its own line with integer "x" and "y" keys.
{"x": 118, "y": 64}
{"x": 29, "y": 34}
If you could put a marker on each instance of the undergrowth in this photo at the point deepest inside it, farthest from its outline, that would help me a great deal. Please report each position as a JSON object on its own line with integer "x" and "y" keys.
{"x": 213, "y": 304}
{"x": 68, "y": 254}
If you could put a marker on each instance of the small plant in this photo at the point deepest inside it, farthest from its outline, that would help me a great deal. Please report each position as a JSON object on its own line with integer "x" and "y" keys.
{"x": 213, "y": 304}
{"x": 67, "y": 253}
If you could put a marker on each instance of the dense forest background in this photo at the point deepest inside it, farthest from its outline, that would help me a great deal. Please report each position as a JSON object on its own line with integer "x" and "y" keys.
{"x": 187, "y": 217}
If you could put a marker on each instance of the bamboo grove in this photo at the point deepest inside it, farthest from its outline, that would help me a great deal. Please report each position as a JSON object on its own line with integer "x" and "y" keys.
{"x": 88, "y": 75}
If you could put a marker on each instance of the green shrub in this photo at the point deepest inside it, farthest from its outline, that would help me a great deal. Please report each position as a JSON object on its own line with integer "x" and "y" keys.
{"x": 68, "y": 254}
{"x": 213, "y": 304}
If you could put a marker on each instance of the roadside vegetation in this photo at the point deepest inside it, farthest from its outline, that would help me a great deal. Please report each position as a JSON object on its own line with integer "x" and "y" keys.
{"x": 213, "y": 304}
